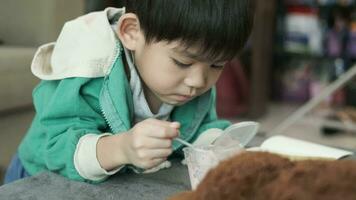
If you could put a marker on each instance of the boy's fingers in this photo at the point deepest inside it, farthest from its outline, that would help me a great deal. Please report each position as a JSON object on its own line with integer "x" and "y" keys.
{"x": 160, "y": 153}
{"x": 156, "y": 143}
{"x": 157, "y": 161}
{"x": 175, "y": 125}
{"x": 162, "y": 132}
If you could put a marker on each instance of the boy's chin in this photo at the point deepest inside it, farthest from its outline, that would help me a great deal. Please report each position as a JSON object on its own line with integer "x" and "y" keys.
{"x": 175, "y": 103}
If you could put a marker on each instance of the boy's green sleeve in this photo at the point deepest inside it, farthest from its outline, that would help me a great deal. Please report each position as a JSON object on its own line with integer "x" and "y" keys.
{"x": 66, "y": 110}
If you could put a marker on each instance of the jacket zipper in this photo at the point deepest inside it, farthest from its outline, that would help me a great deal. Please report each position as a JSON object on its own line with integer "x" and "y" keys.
{"x": 116, "y": 55}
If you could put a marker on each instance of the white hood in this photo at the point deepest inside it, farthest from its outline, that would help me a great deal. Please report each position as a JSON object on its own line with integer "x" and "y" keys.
{"x": 85, "y": 48}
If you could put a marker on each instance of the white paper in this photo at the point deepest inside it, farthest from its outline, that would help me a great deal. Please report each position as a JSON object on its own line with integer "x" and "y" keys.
{"x": 295, "y": 147}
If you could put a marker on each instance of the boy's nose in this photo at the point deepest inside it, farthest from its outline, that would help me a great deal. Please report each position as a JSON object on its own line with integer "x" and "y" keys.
{"x": 196, "y": 78}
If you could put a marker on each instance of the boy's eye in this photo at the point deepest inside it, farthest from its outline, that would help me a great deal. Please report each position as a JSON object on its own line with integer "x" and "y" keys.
{"x": 180, "y": 64}
{"x": 215, "y": 66}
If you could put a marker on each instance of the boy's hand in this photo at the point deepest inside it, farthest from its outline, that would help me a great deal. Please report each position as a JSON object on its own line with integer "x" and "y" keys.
{"x": 149, "y": 142}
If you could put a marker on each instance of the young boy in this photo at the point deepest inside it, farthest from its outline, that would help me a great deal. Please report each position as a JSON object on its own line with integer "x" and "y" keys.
{"x": 118, "y": 86}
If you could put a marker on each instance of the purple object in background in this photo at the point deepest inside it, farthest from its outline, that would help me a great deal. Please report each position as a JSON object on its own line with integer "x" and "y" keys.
{"x": 299, "y": 92}
{"x": 296, "y": 81}
{"x": 351, "y": 48}
{"x": 334, "y": 45}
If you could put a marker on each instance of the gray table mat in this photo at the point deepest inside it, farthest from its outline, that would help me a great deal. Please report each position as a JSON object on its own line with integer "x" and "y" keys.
{"x": 159, "y": 185}
{"x": 50, "y": 186}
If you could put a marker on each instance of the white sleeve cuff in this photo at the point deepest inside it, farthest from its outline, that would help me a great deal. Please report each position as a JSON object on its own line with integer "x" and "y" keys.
{"x": 85, "y": 161}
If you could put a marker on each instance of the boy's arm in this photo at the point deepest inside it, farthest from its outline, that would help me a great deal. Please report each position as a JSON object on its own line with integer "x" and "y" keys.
{"x": 67, "y": 110}
{"x": 69, "y": 114}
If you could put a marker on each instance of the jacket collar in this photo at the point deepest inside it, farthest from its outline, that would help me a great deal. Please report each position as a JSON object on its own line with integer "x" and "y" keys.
{"x": 84, "y": 48}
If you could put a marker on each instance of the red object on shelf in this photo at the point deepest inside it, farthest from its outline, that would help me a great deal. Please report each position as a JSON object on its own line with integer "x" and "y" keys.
{"x": 305, "y": 10}
{"x": 232, "y": 91}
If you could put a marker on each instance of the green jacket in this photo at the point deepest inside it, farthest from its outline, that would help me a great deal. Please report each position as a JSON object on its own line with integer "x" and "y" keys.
{"x": 69, "y": 108}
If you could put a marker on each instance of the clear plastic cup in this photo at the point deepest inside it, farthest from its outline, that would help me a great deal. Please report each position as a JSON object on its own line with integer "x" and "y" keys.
{"x": 202, "y": 158}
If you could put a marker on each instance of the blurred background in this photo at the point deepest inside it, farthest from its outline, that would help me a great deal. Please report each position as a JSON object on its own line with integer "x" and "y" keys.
{"x": 297, "y": 48}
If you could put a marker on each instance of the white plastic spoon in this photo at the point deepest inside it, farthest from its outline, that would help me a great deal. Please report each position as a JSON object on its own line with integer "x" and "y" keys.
{"x": 184, "y": 142}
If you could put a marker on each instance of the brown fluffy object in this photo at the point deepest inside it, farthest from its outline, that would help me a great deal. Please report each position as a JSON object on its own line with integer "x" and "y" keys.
{"x": 257, "y": 176}
{"x": 309, "y": 180}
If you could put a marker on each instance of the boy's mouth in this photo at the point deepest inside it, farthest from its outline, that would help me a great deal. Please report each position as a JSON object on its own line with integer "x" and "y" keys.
{"x": 183, "y": 98}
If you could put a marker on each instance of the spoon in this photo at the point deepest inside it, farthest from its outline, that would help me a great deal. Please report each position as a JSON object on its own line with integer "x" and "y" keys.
{"x": 184, "y": 142}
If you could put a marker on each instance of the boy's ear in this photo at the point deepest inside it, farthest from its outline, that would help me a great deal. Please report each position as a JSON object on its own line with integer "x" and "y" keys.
{"x": 129, "y": 31}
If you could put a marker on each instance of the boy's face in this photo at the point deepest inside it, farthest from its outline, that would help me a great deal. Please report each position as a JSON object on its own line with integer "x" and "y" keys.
{"x": 172, "y": 74}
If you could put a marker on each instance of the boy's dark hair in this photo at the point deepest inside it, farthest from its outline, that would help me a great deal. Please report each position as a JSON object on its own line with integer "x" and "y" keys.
{"x": 219, "y": 27}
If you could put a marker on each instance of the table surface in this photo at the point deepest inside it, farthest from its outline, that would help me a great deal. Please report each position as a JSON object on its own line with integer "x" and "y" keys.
{"x": 47, "y": 185}
{"x": 159, "y": 185}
